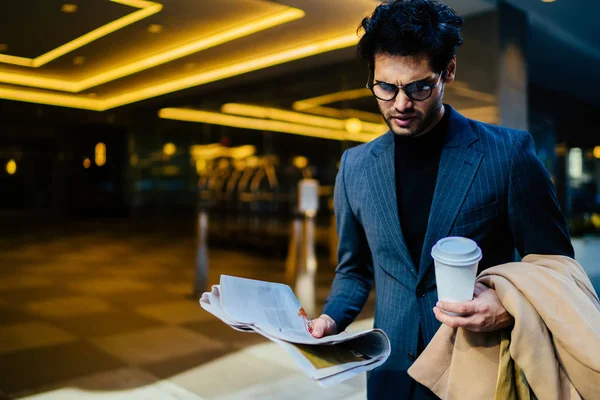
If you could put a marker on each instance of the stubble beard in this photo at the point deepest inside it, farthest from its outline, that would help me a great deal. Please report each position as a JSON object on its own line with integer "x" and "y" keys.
{"x": 420, "y": 125}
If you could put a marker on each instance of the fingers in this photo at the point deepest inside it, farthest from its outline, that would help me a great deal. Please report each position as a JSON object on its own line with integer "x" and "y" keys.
{"x": 464, "y": 308}
{"x": 473, "y": 323}
{"x": 451, "y": 321}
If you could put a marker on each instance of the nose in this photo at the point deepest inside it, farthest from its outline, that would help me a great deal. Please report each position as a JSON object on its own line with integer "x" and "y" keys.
{"x": 402, "y": 103}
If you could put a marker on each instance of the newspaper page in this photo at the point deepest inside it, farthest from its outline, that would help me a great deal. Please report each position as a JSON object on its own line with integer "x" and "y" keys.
{"x": 331, "y": 364}
{"x": 272, "y": 310}
{"x": 271, "y": 307}
{"x": 211, "y": 302}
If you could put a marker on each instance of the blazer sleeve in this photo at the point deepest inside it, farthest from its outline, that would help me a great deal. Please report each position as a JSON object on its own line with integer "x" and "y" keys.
{"x": 535, "y": 219}
{"x": 354, "y": 274}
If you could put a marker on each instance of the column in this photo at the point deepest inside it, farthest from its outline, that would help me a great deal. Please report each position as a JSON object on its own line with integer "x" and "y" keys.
{"x": 513, "y": 82}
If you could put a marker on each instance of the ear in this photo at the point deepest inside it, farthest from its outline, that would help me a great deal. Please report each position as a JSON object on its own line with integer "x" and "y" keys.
{"x": 451, "y": 71}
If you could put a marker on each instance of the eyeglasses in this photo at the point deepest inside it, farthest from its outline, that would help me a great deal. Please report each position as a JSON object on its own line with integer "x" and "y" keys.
{"x": 417, "y": 91}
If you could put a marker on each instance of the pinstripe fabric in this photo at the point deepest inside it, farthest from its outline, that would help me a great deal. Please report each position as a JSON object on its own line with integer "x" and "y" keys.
{"x": 491, "y": 188}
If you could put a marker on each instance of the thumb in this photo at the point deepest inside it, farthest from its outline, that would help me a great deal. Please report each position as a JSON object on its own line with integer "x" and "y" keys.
{"x": 479, "y": 288}
{"x": 319, "y": 327}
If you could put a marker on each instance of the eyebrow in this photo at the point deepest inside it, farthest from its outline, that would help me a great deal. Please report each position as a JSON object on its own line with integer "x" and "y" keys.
{"x": 418, "y": 80}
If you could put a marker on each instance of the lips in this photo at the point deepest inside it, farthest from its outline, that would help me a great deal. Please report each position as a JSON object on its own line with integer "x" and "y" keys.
{"x": 403, "y": 121}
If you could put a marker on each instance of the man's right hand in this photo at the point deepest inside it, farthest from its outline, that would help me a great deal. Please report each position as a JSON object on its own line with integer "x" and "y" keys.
{"x": 323, "y": 326}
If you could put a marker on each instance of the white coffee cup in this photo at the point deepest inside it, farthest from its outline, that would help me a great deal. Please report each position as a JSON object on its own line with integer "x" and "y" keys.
{"x": 456, "y": 260}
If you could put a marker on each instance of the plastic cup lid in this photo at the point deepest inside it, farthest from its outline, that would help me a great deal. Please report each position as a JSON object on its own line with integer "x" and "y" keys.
{"x": 457, "y": 251}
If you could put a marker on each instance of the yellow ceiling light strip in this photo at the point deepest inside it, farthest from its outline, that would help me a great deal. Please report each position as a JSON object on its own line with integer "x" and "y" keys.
{"x": 182, "y": 83}
{"x": 147, "y": 8}
{"x": 463, "y": 89}
{"x": 194, "y": 47}
{"x": 38, "y": 81}
{"x": 238, "y": 68}
{"x": 156, "y": 60}
{"x": 345, "y": 113}
{"x": 331, "y": 98}
{"x": 296, "y": 117}
{"x": 214, "y": 118}
{"x": 314, "y": 105}
{"x": 63, "y": 100}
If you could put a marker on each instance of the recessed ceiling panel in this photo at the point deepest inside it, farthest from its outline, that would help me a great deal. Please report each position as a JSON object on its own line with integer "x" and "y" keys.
{"x": 31, "y": 28}
{"x": 181, "y": 21}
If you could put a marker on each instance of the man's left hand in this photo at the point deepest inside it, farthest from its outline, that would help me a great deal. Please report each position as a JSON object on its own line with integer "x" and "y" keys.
{"x": 484, "y": 313}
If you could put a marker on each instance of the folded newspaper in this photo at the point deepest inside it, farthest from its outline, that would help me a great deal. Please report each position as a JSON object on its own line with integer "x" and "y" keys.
{"x": 273, "y": 311}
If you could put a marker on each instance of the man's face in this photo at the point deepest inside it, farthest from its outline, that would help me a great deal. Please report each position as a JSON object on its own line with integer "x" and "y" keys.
{"x": 406, "y": 117}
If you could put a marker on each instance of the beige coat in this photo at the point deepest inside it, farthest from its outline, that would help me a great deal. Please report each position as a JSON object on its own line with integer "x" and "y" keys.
{"x": 553, "y": 350}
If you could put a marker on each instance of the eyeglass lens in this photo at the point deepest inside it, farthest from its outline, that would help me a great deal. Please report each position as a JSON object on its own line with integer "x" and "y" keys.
{"x": 415, "y": 91}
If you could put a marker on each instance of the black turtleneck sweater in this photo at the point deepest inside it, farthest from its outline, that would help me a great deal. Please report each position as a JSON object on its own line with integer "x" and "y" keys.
{"x": 417, "y": 160}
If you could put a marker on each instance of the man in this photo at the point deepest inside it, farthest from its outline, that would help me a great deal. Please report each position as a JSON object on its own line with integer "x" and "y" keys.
{"x": 434, "y": 174}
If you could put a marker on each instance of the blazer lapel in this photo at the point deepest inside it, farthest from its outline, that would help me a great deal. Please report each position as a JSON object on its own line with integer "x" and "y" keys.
{"x": 458, "y": 167}
{"x": 382, "y": 187}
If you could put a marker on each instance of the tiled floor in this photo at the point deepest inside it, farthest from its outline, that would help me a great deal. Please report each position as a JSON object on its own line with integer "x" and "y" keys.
{"x": 107, "y": 312}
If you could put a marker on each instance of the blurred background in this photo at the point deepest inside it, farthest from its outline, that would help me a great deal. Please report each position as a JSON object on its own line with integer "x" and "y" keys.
{"x": 146, "y": 147}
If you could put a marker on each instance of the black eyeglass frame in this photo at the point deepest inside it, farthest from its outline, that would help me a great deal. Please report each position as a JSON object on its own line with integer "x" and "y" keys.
{"x": 404, "y": 89}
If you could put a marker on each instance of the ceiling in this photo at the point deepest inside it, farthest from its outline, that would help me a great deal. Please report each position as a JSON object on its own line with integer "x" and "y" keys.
{"x": 169, "y": 47}
{"x": 102, "y": 55}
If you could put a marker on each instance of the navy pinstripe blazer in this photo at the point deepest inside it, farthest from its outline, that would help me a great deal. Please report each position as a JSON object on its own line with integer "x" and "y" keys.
{"x": 491, "y": 187}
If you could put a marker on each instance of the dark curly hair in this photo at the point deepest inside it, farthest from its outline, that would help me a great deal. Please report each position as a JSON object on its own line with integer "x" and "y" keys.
{"x": 411, "y": 27}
